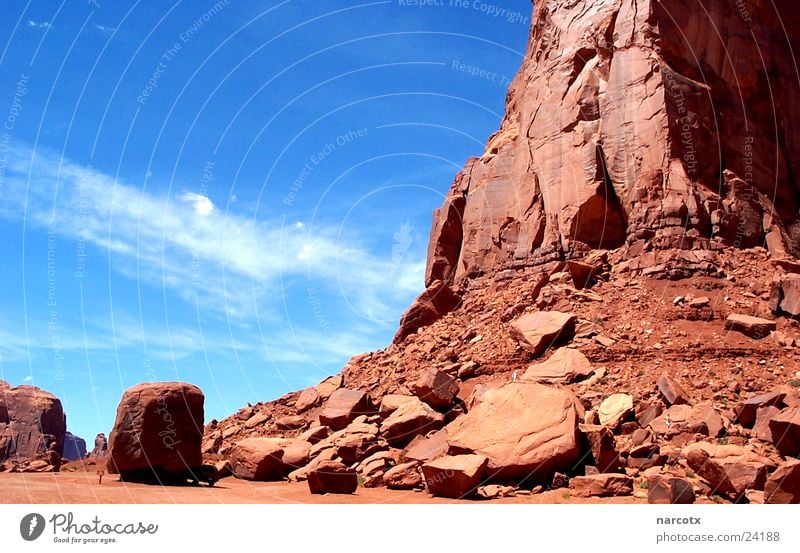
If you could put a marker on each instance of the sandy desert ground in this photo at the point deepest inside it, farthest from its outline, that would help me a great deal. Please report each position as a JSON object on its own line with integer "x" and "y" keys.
{"x": 79, "y": 487}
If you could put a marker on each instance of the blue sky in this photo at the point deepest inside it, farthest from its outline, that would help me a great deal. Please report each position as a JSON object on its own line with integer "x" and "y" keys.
{"x": 234, "y": 194}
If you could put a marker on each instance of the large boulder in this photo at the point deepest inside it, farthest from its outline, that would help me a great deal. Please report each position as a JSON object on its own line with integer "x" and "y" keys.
{"x": 785, "y": 297}
{"x": 158, "y": 430}
{"x": 565, "y": 366}
{"x": 615, "y": 409}
{"x": 527, "y": 431}
{"x": 405, "y": 476}
{"x": 698, "y": 419}
{"x": 332, "y": 477}
{"x": 410, "y": 420}
{"x": 747, "y": 409}
{"x": 31, "y": 420}
{"x": 434, "y": 303}
{"x": 342, "y": 408}
{"x": 671, "y": 391}
{"x": 729, "y": 469}
{"x": 754, "y": 327}
{"x": 267, "y": 459}
{"x": 436, "y": 388}
{"x": 783, "y": 485}
{"x": 352, "y": 444}
{"x": 455, "y": 476}
{"x": 665, "y": 489}
{"x": 785, "y": 429}
{"x": 537, "y": 331}
{"x": 427, "y": 448}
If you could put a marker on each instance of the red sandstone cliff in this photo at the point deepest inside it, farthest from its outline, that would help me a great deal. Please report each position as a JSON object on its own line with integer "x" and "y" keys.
{"x": 641, "y": 124}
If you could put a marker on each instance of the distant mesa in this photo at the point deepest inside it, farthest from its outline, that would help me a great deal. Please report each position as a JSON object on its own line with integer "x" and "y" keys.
{"x": 74, "y": 447}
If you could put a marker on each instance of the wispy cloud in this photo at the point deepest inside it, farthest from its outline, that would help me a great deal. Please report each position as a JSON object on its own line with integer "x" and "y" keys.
{"x": 224, "y": 261}
{"x": 106, "y": 30}
{"x": 38, "y": 24}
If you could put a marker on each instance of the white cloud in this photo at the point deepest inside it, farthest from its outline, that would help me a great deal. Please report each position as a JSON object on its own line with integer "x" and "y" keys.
{"x": 28, "y": 378}
{"x": 39, "y": 25}
{"x": 106, "y": 30}
{"x": 202, "y": 204}
{"x": 225, "y": 261}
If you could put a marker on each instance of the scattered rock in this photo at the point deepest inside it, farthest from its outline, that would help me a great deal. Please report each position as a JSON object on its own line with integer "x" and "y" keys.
{"x": 454, "y": 476}
{"x": 783, "y": 485}
{"x": 390, "y": 403}
{"x": 565, "y": 366}
{"x": 754, "y": 327}
{"x": 495, "y": 491}
{"x": 785, "y": 430}
{"x": 601, "y": 485}
{"x": 342, "y": 408}
{"x": 614, "y": 409}
{"x": 405, "y": 476}
{"x": 427, "y": 448}
{"x": 602, "y": 444}
{"x": 538, "y": 331}
{"x": 267, "y": 459}
{"x": 308, "y": 399}
{"x": 665, "y": 489}
{"x": 409, "y": 420}
{"x": 671, "y": 391}
{"x": 332, "y": 477}
{"x": 436, "y": 388}
{"x": 729, "y": 469}
{"x": 746, "y": 412}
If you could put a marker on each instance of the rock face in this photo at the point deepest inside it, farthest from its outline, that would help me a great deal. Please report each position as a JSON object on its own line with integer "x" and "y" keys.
{"x": 433, "y": 304}
{"x": 30, "y": 420}
{"x": 158, "y": 431}
{"x": 74, "y": 447}
{"x": 621, "y": 129}
{"x": 528, "y": 431}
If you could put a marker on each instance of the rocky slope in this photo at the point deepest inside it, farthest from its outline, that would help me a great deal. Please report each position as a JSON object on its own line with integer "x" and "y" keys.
{"x": 611, "y": 287}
